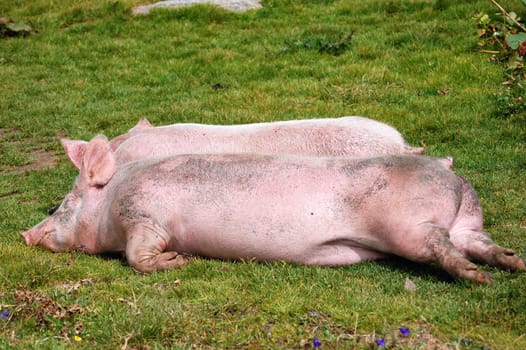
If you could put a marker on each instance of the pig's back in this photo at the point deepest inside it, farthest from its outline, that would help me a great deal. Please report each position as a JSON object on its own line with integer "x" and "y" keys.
{"x": 346, "y": 136}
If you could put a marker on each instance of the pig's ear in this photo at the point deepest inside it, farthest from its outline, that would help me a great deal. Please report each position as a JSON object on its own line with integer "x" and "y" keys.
{"x": 142, "y": 124}
{"x": 98, "y": 162}
{"x": 74, "y": 150}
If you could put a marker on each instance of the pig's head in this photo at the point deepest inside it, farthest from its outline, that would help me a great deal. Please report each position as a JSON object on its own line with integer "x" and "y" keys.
{"x": 141, "y": 125}
{"x": 72, "y": 226}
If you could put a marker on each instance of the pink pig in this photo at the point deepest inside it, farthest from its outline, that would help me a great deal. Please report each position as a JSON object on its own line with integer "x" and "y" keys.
{"x": 345, "y": 136}
{"x": 310, "y": 210}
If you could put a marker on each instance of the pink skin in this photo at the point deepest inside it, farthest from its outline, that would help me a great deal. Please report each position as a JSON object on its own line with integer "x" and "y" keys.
{"x": 311, "y": 210}
{"x": 346, "y": 137}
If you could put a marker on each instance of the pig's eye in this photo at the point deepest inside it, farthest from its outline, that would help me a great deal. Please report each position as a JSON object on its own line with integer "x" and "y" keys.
{"x": 52, "y": 209}
{"x": 67, "y": 205}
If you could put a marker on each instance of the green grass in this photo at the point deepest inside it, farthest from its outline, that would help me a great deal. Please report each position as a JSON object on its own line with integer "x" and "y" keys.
{"x": 91, "y": 67}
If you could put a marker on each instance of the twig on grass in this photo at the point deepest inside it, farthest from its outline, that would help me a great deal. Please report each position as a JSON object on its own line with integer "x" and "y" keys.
{"x": 488, "y": 51}
{"x": 505, "y": 13}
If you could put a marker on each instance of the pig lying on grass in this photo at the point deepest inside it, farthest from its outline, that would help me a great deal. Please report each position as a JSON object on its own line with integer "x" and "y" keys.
{"x": 310, "y": 210}
{"x": 345, "y": 136}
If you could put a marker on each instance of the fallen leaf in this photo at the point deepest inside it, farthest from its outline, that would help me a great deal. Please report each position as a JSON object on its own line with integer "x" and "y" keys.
{"x": 43, "y": 308}
{"x": 71, "y": 287}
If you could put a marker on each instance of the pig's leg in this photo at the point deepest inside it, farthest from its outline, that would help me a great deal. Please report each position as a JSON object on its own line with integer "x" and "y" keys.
{"x": 468, "y": 236}
{"x": 438, "y": 248}
{"x": 145, "y": 249}
{"x": 479, "y": 246}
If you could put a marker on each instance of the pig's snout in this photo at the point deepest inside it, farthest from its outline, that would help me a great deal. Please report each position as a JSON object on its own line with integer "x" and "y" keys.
{"x": 32, "y": 237}
{"x": 41, "y": 235}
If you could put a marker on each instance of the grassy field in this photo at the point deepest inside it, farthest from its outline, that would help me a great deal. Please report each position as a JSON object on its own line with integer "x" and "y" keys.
{"x": 91, "y": 67}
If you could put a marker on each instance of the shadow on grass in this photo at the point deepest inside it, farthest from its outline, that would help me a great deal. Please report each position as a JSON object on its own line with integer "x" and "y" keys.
{"x": 427, "y": 272}
{"x": 114, "y": 256}
{"x": 371, "y": 269}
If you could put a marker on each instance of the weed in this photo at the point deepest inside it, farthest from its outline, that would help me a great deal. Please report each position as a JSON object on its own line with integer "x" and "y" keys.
{"x": 330, "y": 44}
{"x": 505, "y": 38}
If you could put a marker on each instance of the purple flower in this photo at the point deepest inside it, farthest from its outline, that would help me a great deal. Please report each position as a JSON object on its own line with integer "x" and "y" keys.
{"x": 314, "y": 313}
{"x": 380, "y": 342}
{"x": 4, "y": 314}
{"x": 404, "y": 331}
{"x": 316, "y": 342}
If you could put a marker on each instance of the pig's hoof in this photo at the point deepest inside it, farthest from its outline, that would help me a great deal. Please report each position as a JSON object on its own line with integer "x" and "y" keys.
{"x": 509, "y": 261}
{"x": 520, "y": 265}
{"x": 162, "y": 261}
{"x": 170, "y": 260}
{"x": 472, "y": 272}
{"x": 483, "y": 277}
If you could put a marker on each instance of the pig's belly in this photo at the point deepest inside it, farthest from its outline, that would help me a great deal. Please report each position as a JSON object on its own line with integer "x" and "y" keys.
{"x": 276, "y": 211}
{"x": 302, "y": 233}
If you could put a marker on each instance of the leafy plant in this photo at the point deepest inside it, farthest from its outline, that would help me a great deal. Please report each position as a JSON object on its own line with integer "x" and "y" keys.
{"x": 505, "y": 38}
{"x": 504, "y": 35}
{"x": 323, "y": 43}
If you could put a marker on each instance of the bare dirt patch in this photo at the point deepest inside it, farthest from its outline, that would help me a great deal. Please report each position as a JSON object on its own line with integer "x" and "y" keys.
{"x": 5, "y": 133}
{"x": 38, "y": 158}
{"x": 41, "y": 160}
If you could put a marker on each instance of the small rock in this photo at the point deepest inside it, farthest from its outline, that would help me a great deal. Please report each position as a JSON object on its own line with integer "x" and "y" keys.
{"x": 9, "y": 28}
{"x": 409, "y": 285}
{"x": 232, "y": 5}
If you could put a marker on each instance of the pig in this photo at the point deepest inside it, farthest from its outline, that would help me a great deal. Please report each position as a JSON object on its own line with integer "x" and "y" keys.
{"x": 346, "y": 136}
{"x": 325, "y": 211}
